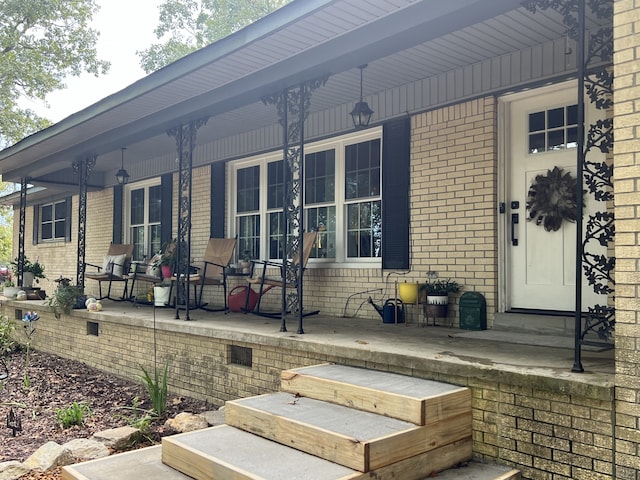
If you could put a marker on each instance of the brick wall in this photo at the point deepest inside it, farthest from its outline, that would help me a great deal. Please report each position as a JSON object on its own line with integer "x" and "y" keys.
{"x": 549, "y": 428}
{"x": 627, "y": 249}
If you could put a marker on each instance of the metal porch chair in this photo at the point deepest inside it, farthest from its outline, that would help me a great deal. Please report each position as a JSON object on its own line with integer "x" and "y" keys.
{"x": 115, "y": 269}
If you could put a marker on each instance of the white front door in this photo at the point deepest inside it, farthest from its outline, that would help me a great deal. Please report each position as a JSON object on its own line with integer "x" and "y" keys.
{"x": 541, "y": 261}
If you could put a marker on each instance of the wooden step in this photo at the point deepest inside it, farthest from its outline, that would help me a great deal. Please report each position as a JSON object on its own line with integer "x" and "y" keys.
{"x": 359, "y": 440}
{"x": 227, "y": 453}
{"x": 142, "y": 463}
{"x": 407, "y": 398}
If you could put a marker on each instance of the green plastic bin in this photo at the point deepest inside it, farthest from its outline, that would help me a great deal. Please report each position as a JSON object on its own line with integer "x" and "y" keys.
{"x": 473, "y": 311}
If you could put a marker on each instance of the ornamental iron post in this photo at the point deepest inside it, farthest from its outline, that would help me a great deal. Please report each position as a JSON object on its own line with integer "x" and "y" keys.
{"x": 24, "y": 182}
{"x": 293, "y": 108}
{"x": 185, "y": 137}
{"x": 82, "y": 168}
{"x": 596, "y": 83}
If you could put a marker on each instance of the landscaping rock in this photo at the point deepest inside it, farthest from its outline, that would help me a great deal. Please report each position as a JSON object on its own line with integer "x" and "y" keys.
{"x": 187, "y": 422}
{"x": 12, "y": 470}
{"x": 214, "y": 417}
{"x": 84, "y": 449}
{"x": 117, "y": 438}
{"x": 49, "y": 456}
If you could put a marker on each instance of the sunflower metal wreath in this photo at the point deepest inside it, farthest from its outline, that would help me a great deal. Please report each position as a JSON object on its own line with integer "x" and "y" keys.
{"x": 552, "y": 199}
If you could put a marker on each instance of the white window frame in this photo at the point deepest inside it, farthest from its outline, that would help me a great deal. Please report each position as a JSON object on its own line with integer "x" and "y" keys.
{"x": 41, "y": 222}
{"x": 128, "y": 188}
{"x": 338, "y": 143}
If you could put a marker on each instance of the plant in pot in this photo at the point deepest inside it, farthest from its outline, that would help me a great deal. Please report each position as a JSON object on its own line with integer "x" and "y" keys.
{"x": 437, "y": 296}
{"x": 31, "y": 271}
{"x": 66, "y": 297}
{"x": 166, "y": 263}
{"x": 10, "y": 289}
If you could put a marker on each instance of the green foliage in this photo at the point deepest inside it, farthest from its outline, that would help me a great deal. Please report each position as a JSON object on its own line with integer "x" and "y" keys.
{"x": 157, "y": 389}
{"x": 28, "y": 266}
{"x": 441, "y": 287}
{"x": 64, "y": 297}
{"x": 7, "y": 343}
{"x": 41, "y": 43}
{"x": 139, "y": 418}
{"x": 188, "y": 25}
{"x": 72, "y": 415}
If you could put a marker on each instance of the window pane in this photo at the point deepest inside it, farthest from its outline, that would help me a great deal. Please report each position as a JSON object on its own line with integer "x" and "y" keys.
{"x": 137, "y": 206}
{"x": 47, "y": 213}
{"x": 249, "y": 236}
{"x": 319, "y": 170}
{"x": 60, "y": 230}
{"x": 47, "y": 231}
{"x": 364, "y": 230}
{"x": 60, "y": 210}
{"x": 555, "y": 140}
{"x": 248, "y": 195}
{"x": 137, "y": 238}
{"x": 536, "y": 122}
{"x": 556, "y": 118}
{"x": 155, "y": 204}
{"x": 275, "y": 184}
{"x": 362, "y": 174}
{"x": 156, "y": 243}
{"x": 276, "y": 231}
{"x": 536, "y": 143}
{"x": 323, "y": 221}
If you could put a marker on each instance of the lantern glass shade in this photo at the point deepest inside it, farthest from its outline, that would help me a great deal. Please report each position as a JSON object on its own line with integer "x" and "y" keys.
{"x": 361, "y": 115}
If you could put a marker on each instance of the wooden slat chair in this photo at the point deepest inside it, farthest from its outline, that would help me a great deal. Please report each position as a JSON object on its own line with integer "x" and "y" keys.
{"x": 149, "y": 272}
{"x": 217, "y": 257}
{"x": 262, "y": 279}
{"x": 115, "y": 269}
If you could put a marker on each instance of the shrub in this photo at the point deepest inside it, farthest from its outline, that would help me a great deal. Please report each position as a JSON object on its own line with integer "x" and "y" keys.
{"x": 7, "y": 343}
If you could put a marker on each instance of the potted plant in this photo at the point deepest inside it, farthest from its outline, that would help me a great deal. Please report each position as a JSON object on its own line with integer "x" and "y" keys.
{"x": 245, "y": 262}
{"x": 10, "y": 289}
{"x": 31, "y": 271}
{"x": 165, "y": 263}
{"x": 437, "y": 296}
{"x": 66, "y": 297}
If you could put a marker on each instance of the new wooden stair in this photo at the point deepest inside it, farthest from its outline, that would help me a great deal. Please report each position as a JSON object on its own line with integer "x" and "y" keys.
{"x": 328, "y": 422}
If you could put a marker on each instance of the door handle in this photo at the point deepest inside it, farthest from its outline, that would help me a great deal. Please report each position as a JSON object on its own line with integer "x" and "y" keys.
{"x": 515, "y": 218}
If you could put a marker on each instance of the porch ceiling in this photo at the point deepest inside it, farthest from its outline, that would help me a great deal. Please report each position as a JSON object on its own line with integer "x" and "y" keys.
{"x": 401, "y": 40}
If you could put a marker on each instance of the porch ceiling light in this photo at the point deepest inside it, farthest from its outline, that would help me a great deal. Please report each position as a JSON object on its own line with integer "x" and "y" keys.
{"x": 122, "y": 177}
{"x": 361, "y": 113}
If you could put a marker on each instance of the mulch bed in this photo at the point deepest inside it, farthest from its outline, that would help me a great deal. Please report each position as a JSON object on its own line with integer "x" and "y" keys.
{"x": 55, "y": 383}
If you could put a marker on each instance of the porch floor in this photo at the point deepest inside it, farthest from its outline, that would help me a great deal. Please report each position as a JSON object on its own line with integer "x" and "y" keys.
{"x": 442, "y": 348}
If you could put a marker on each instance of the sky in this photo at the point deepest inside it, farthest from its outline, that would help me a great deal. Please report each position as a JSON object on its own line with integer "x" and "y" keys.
{"x": 125, "y": 26}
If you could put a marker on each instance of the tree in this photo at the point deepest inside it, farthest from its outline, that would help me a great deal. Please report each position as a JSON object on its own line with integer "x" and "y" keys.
{"x": 192, "y": 24}
{"x": 41, "y": 43}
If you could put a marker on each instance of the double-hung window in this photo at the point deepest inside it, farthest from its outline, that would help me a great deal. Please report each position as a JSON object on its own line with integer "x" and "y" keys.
{"x": 144, "y": 202}
{"x": 342, "y": 200}
{"x": 54, "y": 221}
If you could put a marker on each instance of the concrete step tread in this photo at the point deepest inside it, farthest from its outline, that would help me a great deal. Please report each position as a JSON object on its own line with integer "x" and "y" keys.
{"x": 404, "y": 385}
{"x": 142, "y": 463}
{"x": 225, "y": 449}
{"x": 338, "y": 419}
{"x": 479, "y": 471}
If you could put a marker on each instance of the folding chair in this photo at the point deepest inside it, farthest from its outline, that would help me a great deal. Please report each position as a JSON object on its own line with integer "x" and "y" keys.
{"x": 115, "y": 269}
{"x": 262, "y": 279}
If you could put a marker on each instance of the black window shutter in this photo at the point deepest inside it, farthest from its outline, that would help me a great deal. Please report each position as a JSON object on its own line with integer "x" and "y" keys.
{"x": 118, "y": 232}
{"x": 217, "y": 199}
{"x": 36, "y": 224}
{"x": 396, "y": 136}
{"x": 68, "y": 218}
{"x": 166, "y": 205}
